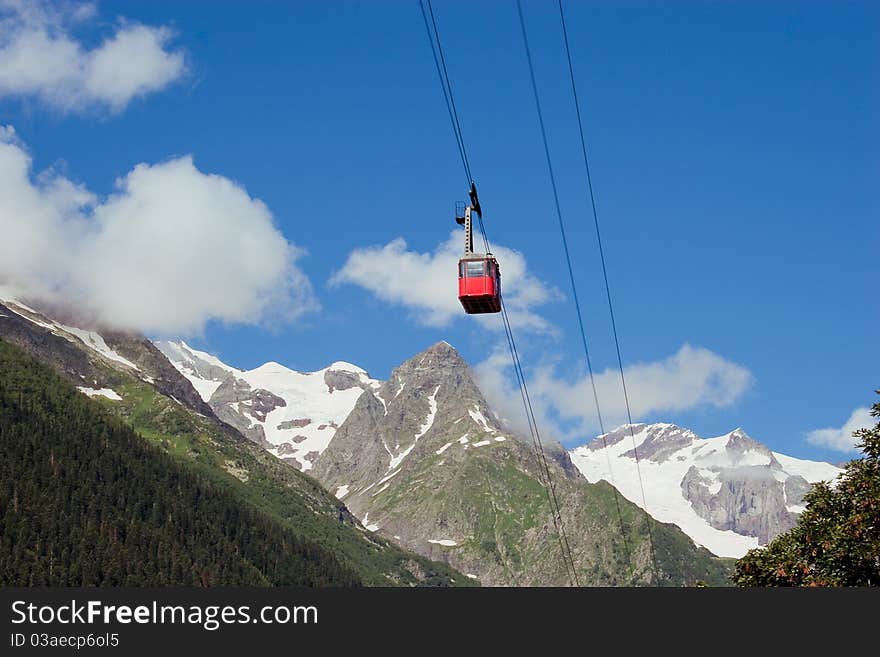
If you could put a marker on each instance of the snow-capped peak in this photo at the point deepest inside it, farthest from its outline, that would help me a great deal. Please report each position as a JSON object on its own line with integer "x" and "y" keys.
{"x": 729, "y": 493}
{"x": 271, "y": 367}
{"x": 293, "y": 414}
{"x": 342, "y": 366}
{"x": 185, "y": 350}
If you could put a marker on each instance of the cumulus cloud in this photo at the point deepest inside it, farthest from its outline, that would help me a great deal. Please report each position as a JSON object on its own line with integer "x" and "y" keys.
{"x": 841, "y": 438}
{"x": 427, "y": 283}
{"x": 41, "y": 58}
{"x": 171, "y": 249}
{"x": 693, "y": 377}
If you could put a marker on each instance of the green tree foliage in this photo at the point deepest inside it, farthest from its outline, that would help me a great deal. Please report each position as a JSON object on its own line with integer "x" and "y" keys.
{"x": 85, "y": 501}
{"x": 837, "y": 539}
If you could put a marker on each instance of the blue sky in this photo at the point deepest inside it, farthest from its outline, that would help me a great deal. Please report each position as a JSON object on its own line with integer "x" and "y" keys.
{"x": 733, "y": 148}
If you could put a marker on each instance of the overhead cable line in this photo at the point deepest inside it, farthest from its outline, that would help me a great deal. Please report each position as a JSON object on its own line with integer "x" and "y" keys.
{"x": 544, "y": 469}
{"x": 443, "y": 74}
{"x": 572, "y": 278}
{"x": 592, "y": 195}
{"x": 568, "y": 262}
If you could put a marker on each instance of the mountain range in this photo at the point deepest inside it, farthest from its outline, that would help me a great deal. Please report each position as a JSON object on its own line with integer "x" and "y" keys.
{"x": 729, "y": 494}
{"x": 422, "y": 462}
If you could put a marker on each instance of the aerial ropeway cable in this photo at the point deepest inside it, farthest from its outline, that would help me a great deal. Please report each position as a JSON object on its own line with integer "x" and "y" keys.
{"x": 480, "y": 288}
{"x": 607, "y": 285}
{"x": 480, "y": 278}
{"x": 571, "y": 269}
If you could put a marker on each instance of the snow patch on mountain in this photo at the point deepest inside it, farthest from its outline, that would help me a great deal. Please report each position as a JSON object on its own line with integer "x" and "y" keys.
{"x": 432, "y": 413}
{"x": 812, "y": 471}
{"x": 478, "y": 417}
{"x": 206, "y": 389}
{"x": 387, "y": 477}
{"x": 30, "y": 314}
{"x": 400, "y": 389}
{"x": 425, "y": 428}
{"x": 95, "y": 342}
{"x": 366, "y": 523}
{"x": 102, "y": 392}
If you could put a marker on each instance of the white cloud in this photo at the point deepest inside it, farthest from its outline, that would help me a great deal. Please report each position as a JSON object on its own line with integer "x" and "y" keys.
{"x": 427, "y": 283}
{"x": 565, "y": 409}
{"x": 41, "y": 58}
{"x": 841, "y": 439}
{"x": 170, "y": 250}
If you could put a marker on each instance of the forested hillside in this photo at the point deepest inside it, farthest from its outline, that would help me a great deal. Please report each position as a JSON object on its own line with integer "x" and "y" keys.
{"x": 88, "y": 502}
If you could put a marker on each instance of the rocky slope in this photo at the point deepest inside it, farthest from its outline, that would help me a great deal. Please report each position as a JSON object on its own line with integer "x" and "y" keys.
{"x": 729, "y": 493}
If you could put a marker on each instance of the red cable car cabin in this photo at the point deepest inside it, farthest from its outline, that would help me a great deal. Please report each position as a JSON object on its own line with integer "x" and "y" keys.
{"x": 479, "y": 284}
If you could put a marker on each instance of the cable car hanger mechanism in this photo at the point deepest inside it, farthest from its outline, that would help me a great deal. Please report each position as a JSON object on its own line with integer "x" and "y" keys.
{"x": 479, "y": 275}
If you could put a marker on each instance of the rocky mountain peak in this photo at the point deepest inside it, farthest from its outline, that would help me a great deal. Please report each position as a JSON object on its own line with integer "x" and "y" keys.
{"x": 438, "y": 368}
{"x": 743, "y": 449}
{"x": 613, "y": 437}
{"x": 343, "y": 366}
{"x": 197, "y": 363}
{"x": 739, "y": 437}
{"x": 441, "y": 355}
{"x": 338, "y": 379}
{"x": 662, "y": 441}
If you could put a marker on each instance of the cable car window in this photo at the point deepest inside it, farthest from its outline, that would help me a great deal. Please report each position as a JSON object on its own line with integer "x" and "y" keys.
{"x": 474, "y": 268}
